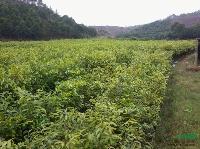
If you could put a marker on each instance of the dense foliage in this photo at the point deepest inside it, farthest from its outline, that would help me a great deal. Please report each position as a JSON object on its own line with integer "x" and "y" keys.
{"x": 31, "y": 19}
{"x": 154, "y": 30}
{"x": 83, "y": 93}
{"x": 163, "y": 29}
{"x": 179, "y": 31}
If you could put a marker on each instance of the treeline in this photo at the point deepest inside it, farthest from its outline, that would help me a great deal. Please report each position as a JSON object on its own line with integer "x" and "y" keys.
{"x": 32, "y": 19}
{"x": 179, "y": 31}
{"x": 154, "y": 30}
{"x": 163, "y": 30}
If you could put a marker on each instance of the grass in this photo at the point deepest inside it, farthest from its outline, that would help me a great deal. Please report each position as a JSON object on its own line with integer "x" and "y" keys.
{"x": 180, "y": 114}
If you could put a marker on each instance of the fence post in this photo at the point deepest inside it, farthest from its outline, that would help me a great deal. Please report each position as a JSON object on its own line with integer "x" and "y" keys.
{"x": 197, "y": 54}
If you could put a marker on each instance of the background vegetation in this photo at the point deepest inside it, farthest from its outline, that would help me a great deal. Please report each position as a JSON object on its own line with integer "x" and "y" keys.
{"x": 163, "y": 30}
{"x": 31, "y": 19}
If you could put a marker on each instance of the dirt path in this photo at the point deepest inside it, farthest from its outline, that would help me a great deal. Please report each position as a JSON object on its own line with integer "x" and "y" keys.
{"x": 180, "y": 115}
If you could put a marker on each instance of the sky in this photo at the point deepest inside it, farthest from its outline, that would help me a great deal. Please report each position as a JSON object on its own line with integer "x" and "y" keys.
{"x": 121, "y": 12}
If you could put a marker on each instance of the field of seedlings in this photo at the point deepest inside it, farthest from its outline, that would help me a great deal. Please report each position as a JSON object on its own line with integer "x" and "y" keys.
{"x": 83, "y": 94}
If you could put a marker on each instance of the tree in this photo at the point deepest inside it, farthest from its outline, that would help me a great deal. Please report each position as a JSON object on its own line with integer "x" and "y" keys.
{"x": 178, "y": 31}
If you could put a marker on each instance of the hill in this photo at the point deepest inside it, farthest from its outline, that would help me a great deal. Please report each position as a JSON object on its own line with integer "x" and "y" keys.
{"x": 157, "y": 30}
{"x": 32, "y": 19}
{"x": 182, "y": 26}
{"x": 112, "y": 31}
{"x": 188, "y": 20}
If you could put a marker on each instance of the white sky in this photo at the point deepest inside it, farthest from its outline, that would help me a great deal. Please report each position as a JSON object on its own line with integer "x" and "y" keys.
{"x": 121, "y": 12}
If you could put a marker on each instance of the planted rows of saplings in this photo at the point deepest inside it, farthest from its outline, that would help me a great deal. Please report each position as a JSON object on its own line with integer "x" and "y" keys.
{"x": 83, "y": 93}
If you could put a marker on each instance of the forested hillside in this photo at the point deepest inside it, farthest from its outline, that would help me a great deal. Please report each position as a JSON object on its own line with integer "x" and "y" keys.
{"x": 112, "y": 31}
{"x": 32, "y": 19}
{"x": 185, "y": 26}
{"x": 154, "y": 30}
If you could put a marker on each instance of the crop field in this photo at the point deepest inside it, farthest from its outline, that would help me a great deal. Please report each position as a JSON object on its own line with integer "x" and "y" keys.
{"x": 83, "y": 94}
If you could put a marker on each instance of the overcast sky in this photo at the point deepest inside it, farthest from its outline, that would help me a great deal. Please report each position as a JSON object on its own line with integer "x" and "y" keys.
{"x": 121, "y": 12}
